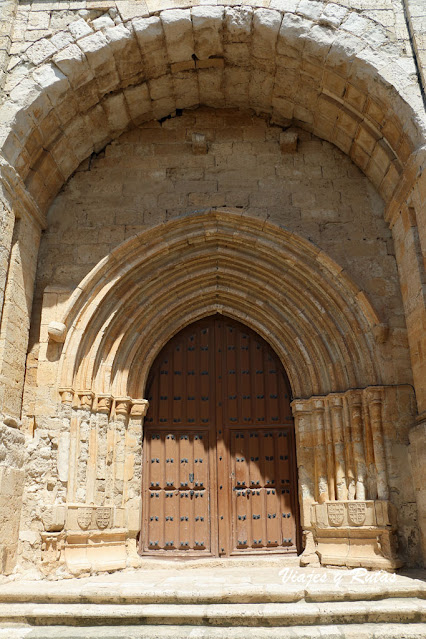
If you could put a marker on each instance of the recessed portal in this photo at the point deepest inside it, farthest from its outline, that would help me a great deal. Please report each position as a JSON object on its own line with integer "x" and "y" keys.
{"x": 219, "y": 474}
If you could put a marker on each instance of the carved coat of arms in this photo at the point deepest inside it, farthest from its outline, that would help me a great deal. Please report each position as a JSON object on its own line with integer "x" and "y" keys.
{"x": 336, "y": 513}
{"x": 357, "y": 513}
{"x": 103, "y": 515}
{"x": 84, "y": 517}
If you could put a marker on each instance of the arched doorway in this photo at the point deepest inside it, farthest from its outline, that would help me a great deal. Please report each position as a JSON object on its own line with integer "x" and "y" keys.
{"x": 219, "y": 467}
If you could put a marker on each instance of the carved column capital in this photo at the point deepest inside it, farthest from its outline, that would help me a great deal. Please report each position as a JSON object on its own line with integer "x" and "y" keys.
{"x": 122, "y": 405}
{"x": 139, "y": 408}
{"x": 103, "y": 403}
{"x": 301, "y": 406}
{"x": 85, "y": 398}
{"x": 67, "y": 395}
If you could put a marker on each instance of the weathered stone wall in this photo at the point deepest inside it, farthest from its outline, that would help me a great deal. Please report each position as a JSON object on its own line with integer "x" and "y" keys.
{"x": 152, "y": 175}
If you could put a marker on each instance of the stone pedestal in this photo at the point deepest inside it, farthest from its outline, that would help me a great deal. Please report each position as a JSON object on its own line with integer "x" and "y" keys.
{"x": 356, "y": 533}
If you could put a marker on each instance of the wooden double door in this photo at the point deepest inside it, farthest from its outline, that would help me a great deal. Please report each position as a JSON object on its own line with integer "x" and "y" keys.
{"x": 219, "y": 467}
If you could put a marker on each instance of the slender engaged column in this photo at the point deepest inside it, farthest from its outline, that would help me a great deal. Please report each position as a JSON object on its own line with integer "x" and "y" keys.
{"x": 355, "y": 408}
{"x": 375, "y": 410}
{"x": 336, "y": 408}
{"x": 321, "y": 478}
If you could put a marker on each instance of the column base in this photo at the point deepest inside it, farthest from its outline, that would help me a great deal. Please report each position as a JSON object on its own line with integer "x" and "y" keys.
{"x": 355, "y": 533}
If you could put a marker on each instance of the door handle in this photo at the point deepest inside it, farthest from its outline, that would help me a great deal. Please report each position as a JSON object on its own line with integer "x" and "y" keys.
{"x": 191, "y": 477}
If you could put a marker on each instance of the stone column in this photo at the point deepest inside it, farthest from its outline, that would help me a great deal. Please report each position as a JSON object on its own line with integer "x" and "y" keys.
{"x": 132, "y": 492}
{"x": 321, "y": 476}
{"x": 79, "y": 446}
{"x": 302, "y": 412}
{"x": 355, "y": 412}
{"x": 336, "y": 409}
{"x": 99, "y": 450}
{"x": 116, "y": 452}
{"x": 375, "y": 411}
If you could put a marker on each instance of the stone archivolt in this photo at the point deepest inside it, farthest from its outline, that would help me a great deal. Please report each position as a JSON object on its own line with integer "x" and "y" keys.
{"x": 149, "y": 288}
{"x": 319, "y": 323}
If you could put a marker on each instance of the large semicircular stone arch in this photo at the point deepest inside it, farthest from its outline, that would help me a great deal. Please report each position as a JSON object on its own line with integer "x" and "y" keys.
{"x": 319, "y": 75}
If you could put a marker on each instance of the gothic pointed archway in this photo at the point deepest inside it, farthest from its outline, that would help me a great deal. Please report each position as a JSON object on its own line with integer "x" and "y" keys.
{"x": 219, "y": 470}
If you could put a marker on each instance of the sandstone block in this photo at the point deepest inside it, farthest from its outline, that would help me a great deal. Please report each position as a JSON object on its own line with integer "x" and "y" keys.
{"x": 333, "y": 14}
{"x": 177, "y": 27}
{"x": 57, "y": 331}
{"x": 292, "y": 33}
{"x": 207, "y": 24}
{"x": 288, "y": 141}
{"x": 52, "y": 81}
{"x": 125, "y": 49}
{"x": 72, "y": 62}
{"x": 186, "y": 90}
{"x": 116, "y": 112}
{"x": 310, "y": 9}
{"x": 53, "y": 518}
{"x": 101, "y": 60}
{"x": 199, "y": 144}
{"x": 150, "y": 35}
{"x": 266, "y": 25}
{"x": 103, "y": 22}
{"x": 138, "y": 102}
{"x": 79, "y": 29}
{"x": 40, "y": 51}
{"x": 238, "y": 24}
{"x": 61, "y": 39}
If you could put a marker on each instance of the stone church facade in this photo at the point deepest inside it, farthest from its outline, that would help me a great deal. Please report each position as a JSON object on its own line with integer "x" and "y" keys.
{"x": 212, "y": 255}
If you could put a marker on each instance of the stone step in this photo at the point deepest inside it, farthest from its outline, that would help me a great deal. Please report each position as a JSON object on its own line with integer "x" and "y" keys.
{"x": 340, "y": 631}
{"x": 302, "y": 613}
{"x": 194, "y": 591}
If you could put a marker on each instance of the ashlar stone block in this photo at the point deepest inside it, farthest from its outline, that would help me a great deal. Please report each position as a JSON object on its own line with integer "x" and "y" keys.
{"x": 177, "y": 26}
{"x": 207, "y": 24}
{"x": 150, "y": 35}
{"x": 101, "y": 60}
{"x": 72, "y": 62}
{"x": 266, "y": 25}
{"x": 125, "y": 50}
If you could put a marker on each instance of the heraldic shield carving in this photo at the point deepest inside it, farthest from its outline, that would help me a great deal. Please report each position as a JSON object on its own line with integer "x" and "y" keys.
{"x": 102, "y": 517}
{"x": 336, "y": 513}
{"x": 84, "y": 517}
{"x": 357, "y": 513}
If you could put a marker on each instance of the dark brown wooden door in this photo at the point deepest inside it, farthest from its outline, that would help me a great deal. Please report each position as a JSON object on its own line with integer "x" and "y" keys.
{"x": 219, "y": 471}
